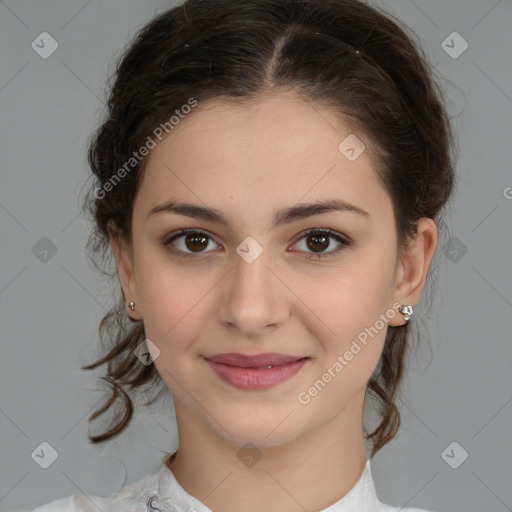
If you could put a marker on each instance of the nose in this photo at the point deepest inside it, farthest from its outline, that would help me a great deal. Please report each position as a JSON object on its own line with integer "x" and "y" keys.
{"x": 253, "y": 298}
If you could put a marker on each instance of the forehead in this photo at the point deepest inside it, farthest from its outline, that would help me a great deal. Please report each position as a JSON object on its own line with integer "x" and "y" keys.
{"x": 278, "y": 150}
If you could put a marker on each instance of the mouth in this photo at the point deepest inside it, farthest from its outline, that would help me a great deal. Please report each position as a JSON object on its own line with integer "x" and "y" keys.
{"x": 255, "y": 361}
{"x": 257, "y": 372}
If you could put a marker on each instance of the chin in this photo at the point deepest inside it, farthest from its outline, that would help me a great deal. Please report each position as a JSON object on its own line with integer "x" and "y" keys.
{"x": 262, "y": 433}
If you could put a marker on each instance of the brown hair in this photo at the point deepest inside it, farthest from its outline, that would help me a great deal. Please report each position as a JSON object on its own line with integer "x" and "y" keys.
{"x": 351, "y": 57}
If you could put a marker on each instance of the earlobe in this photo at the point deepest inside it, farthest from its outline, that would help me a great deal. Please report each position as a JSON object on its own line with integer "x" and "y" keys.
{"x": 122, "y": 252}
{"x": 414, "y": 266}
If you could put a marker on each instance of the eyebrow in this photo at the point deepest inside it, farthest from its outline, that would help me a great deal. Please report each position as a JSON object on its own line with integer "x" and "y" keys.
{"x": 284, "y": 216}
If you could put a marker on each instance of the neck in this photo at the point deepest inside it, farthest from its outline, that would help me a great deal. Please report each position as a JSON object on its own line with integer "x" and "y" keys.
{"x": 311, "y": 472}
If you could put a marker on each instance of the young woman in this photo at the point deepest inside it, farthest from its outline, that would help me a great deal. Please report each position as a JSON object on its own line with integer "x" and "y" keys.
{"x": 270, "y": 179}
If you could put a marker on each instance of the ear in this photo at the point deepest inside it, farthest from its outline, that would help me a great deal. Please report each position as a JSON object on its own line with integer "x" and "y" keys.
{"x": 413, "y": 268}
{"x": 123, "y": 254}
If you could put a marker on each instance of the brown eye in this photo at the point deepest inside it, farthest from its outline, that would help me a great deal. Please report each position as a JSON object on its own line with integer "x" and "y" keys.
{"x": 317, "y": 241}
{"x": 196, "y": 243}
{"x": 189, "y": 241}
{"x": 193, "y": 241}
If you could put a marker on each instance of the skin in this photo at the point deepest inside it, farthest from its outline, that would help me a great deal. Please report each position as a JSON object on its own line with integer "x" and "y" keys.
{"x": 248, "y": 162}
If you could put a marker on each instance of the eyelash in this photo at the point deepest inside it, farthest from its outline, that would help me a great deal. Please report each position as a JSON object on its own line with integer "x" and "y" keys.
{"x": 344, "y": 241}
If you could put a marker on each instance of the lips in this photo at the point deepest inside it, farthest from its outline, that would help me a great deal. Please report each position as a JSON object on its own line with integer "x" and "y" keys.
{"x": 255, "y": 361}
{"x": 258, "y": 372}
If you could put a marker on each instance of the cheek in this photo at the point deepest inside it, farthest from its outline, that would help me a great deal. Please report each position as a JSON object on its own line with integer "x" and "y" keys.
{"x": 172, "y": 323}
{"x": 176, "y": 304}
{"x": 165, "y": 287}
{"x": 171, "y": 308}
{"x": 162, "y": 295}
{"x": 351, "y": 311}
{"x": 352, "y": 295}
{"x": 351, "y": 346}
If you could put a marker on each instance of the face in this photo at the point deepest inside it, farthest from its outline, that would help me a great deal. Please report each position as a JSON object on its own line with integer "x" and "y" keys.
{"x": 252, "y": 286}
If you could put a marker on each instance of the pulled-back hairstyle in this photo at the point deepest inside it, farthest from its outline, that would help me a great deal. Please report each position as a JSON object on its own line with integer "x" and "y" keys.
{"x": 343, "y": 54}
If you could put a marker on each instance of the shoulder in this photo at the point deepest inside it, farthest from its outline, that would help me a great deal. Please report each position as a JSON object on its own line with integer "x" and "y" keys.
{"x": 390, "y": 508}
{"x": 130, "y": 498}
{"x": 61, "y": 505}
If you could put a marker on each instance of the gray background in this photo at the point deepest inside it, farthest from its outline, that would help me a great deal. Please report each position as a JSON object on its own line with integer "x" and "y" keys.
{"x": 51, "y": 304}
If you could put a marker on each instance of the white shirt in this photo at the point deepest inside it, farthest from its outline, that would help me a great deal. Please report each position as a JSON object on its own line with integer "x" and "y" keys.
{"x": 160, "y": 491}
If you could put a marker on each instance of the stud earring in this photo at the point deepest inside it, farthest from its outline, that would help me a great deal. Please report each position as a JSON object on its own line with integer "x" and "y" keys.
{"x": 132, "y": 305}
{"x": 407, "y": 311}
